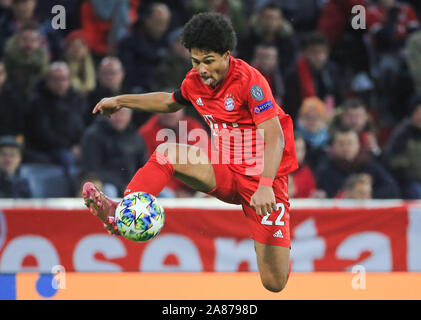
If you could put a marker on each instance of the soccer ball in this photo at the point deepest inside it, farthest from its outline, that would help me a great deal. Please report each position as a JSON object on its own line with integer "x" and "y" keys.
{"x": 139, "y": 217}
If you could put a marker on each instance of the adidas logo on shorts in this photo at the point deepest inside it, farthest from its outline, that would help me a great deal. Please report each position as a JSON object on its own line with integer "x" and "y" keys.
{"x": 278, "y": 234}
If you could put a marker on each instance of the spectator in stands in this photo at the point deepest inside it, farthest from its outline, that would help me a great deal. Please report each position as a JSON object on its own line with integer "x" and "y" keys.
{"x": 303, "y": 14}
{"x": 353, "y": 114}
{"x": 303, "y": 180}
{"x": 11, "y": 108}
{"x": 265, "y": 60}
{"x": 348, "y": 47}
{"x": 6, "y": 15}
{"x": 55, "y": 120}
{"x": 26, "y": 61}
{"x": 182, "y": 126}
{"x": 413, "y": 58}
{"x": 271, "y": 28}
{"x": 113, "y": 150}
{"x": 175, "y": 65}
{"x": 110, "y": 83}
{"x": 145, "y": 47}
{"x": 22, "y": 12}
{"x": 358, "y": 187}
{"x": 15, "y": 14}
{"x": 81, "y": 64}
{"x": 12, "y": 184}
{"x": 403, "y": 152}
{"x": 105, "y": 23}
{"x": 314, "y": 75}
{"x": 312, "y": 125}
{"x": 233, "y": 9}
{"x": 346, "y": 159}
{"x": 389, "y": 24}
{"x": 335, "y": 17}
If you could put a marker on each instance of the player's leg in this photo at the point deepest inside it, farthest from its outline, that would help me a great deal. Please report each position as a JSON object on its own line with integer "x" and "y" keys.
{"x": 273, "y": 263}
{"x": 271, "y": 233}
{"x": 169, "y": 159}
{"x": 191, "y": 165}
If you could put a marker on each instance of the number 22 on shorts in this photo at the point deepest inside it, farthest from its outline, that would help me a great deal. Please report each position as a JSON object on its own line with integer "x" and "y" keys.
{"x": 278, "y": 221}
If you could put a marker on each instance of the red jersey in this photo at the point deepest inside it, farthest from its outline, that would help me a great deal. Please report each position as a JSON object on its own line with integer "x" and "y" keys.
{"x": 233, "y": 110}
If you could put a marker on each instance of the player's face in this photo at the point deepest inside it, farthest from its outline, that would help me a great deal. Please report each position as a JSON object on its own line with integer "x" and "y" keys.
{"x": 211, "y": 66}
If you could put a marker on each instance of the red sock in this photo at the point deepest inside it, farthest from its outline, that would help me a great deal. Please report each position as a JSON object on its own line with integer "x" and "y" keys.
{"x": 153, "y": 176}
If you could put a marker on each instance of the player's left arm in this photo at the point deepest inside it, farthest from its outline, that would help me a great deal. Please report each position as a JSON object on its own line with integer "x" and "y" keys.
{"x": 263, "y": 200}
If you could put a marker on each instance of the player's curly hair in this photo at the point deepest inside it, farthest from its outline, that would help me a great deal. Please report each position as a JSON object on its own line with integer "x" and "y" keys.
{"x": 209, "y": 31}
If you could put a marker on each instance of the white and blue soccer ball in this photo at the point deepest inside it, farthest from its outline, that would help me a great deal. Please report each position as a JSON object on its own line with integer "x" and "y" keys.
{"x": 139, "y": 217}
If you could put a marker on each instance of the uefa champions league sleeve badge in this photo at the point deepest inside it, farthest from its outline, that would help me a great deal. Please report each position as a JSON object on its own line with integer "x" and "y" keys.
{"x": 257, "y": 93}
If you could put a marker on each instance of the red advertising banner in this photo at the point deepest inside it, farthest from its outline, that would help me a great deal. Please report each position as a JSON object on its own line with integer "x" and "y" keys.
{"x": 210, "y": 240}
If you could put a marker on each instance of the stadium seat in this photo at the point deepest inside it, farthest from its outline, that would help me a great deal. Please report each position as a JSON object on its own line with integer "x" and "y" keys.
{"x": 46, "y": 181}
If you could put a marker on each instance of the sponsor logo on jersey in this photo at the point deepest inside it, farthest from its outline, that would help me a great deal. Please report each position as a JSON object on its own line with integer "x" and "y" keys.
{"x": 257, "y": 93}
{"x": 263, "y": 107}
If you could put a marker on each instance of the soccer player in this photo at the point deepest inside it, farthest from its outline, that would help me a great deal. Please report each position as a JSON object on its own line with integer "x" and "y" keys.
{"x": 237, "y": 103}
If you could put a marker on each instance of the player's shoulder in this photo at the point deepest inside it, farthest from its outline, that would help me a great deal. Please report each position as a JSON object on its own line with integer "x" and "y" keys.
{"x": 192, "y": 75}
{"x": 245, "y": 72}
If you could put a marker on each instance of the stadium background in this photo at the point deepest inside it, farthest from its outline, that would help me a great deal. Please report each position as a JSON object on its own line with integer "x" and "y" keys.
{"x": 51, "y": 78}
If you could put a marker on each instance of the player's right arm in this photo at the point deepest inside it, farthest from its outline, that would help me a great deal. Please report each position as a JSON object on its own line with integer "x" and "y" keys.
{"x": 155, "y": 102}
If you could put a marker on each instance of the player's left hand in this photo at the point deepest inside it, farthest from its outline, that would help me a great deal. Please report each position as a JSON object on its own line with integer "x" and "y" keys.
{"x": 263, "y": 200}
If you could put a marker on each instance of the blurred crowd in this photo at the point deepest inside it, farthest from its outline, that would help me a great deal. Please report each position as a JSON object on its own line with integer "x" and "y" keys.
{"x": 347, "y": 71}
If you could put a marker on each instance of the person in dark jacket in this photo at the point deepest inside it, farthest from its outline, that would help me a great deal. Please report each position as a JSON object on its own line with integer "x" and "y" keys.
{"x": 145, "y": 47}
{"x": 113, "y": 150}
{"x": 346, "y": 159}
{"x": 403, "y": 152}
{"x": 269, "y": 27}
{"x": 314, "y": 74}
{"x": 55, "y": 121}
{"x": 11, "y": 107}
{"x": 12, "y": 184}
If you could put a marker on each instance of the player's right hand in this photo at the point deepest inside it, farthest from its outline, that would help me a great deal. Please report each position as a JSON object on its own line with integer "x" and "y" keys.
{"x": 107, "y": 106}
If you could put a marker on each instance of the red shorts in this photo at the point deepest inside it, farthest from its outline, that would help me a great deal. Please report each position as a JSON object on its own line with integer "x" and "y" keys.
{"x": 233, "y": 187}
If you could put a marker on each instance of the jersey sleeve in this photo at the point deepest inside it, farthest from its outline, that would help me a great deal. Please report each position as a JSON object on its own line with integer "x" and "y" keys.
{"x": 180, "y": 95}
{"x": 261, "y": 103}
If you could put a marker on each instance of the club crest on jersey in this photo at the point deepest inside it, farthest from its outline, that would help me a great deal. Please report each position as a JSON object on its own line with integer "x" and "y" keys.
{"x": 229, "y": 103}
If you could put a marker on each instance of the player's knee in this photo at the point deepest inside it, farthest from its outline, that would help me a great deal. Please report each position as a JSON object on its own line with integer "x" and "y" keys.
{"x": 275, "y": 283}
